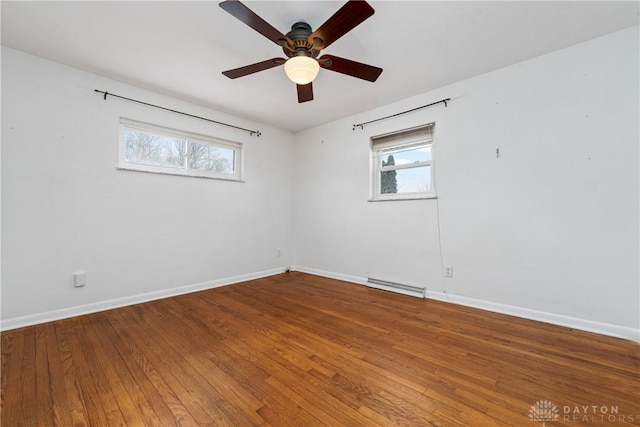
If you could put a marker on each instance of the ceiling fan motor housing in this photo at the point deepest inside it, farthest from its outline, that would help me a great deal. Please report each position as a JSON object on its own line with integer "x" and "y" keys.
{"x": 299, "y": 35}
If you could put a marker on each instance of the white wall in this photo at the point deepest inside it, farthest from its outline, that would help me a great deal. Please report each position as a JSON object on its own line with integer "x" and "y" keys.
{"x": 66, "y": 208}
{"x": 548, "y": 230}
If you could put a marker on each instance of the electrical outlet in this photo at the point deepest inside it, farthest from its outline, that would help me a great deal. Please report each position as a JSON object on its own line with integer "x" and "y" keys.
{"x": 448, "y": 271}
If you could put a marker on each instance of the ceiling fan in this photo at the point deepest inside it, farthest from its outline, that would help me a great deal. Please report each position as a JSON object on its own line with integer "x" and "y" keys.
{"x": 302, "y": 46}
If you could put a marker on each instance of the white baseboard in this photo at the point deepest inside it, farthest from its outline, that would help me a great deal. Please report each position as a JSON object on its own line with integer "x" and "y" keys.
{"x": 330, "y": 274}
{"x": 540, "y": 316}
{"x": 34, "y": 319}
{"x": 525, "y": 313}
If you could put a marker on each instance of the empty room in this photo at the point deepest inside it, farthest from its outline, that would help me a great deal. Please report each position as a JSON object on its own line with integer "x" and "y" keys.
{"x": 320, "y": 213}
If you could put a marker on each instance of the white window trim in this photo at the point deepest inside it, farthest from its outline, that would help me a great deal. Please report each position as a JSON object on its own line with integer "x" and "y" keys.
{"x": 375, "y": 169}
{"x": 179, "y": 134}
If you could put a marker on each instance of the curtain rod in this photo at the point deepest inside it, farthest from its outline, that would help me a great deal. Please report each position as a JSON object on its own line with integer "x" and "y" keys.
{"x": 442, "y": 101}
{"x": 251, "y": 132}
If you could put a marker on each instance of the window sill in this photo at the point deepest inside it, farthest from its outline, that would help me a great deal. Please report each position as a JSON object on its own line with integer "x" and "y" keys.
{"x": 401, "y": 199}
{"x": 219, "y": 178}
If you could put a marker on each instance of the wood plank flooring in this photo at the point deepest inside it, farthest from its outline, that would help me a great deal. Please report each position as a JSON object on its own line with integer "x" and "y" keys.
{"x": 300, "y": 350}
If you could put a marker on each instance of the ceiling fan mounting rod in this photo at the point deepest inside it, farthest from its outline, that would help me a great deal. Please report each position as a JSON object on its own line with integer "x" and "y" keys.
{"x": 299, "y": 30}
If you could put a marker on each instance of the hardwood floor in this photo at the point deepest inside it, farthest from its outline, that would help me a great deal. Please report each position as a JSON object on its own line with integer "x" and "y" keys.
{"x": 300, "y": 350}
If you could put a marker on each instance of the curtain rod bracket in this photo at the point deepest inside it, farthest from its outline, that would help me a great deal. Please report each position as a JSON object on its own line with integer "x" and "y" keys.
{"x": 251, "y": 132}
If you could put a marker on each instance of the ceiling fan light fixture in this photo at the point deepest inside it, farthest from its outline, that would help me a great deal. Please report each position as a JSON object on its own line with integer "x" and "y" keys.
{"x": 301, "y": 70}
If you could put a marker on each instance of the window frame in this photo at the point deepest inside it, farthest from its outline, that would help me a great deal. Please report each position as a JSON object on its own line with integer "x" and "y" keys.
{"x": 189, "y": 138}
{"x": 379, "y": 150}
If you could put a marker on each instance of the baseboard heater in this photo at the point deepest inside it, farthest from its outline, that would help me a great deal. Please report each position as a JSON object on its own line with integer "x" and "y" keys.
{"x": 385, "y": 285}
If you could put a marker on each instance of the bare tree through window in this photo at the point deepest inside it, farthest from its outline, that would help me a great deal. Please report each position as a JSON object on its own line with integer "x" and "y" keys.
{"x": 150, "y": 148}
{"x": 210, "y": 158}
{"x": 145, "y": 148}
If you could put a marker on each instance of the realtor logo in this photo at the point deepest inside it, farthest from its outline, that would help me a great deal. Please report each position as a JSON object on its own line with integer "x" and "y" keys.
{"x": 543, "y": 411}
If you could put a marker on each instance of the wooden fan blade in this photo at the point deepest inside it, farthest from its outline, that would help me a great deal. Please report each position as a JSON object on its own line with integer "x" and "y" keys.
{"x": 350, "y": 68}
{"x": 305, "y": 93}
{"x": 349, "y": 16}
{"x": 253, "y": 68}
{"x": 246, "y": 15}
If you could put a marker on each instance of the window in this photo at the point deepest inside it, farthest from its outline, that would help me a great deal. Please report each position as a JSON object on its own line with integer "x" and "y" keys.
{"x": 150, "y": 148}
{"x": 402, "y": 164}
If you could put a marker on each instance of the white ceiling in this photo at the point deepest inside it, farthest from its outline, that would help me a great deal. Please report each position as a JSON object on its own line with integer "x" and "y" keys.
{"x": 180, "y": 48}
